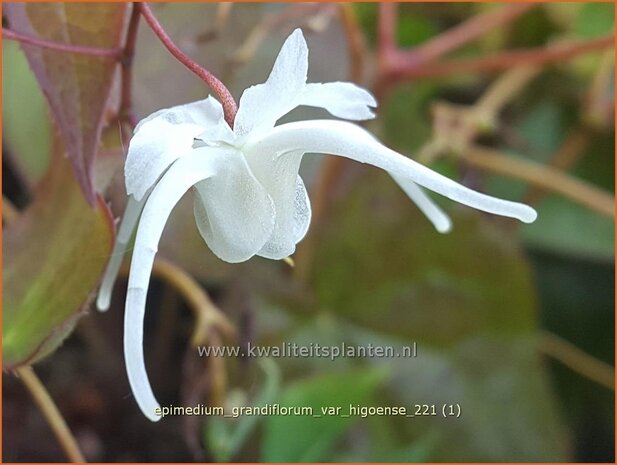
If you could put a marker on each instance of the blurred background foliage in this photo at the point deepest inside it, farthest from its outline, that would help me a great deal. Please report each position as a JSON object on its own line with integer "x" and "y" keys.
{"x": 490, "y": 305}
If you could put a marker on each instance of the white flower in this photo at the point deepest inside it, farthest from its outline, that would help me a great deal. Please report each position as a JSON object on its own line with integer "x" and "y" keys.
{"x": 249, "y": 199}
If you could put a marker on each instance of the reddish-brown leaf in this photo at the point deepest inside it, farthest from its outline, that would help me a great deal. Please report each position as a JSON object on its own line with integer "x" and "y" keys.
{"x": 77, "y": 86}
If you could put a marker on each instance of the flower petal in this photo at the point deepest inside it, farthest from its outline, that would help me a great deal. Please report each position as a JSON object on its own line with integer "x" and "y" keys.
{"x": 233, "y": 211}
{"x": 200, "y": 164}
{"x": 215, "y": 134}
{"x": 301, "y": 212}
{"x": 351, "y": 141}
{"x": 279, "y": 175}
{"x": 262, "y": 105}
{"x": 162, "y": 138}
{"x": 293, "y": 217}
{"x": 125, "y": 231}
{"x": 435, "y": 215}
{"x": 341, "y": 99}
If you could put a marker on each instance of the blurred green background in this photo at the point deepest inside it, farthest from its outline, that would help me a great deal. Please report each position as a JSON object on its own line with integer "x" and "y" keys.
{"x": 485, "y": 303}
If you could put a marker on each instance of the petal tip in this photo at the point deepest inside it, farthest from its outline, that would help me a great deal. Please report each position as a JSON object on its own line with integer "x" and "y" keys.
{"x": 154, "y": 416}
{"x": 296, "y": 38}
{"x": 445, "y": 227}
{"x": 528, "y": 215}
{"x": 297, "y": 31}
{"x": 102, "y": 302}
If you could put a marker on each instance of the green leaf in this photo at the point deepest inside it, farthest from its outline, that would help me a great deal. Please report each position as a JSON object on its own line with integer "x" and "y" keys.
{"x": 595, "y": 19}
{"x": 305, "y": 438}
{"x": 54, "y": 256}
{"x": 466, "y": 298}
{"x": 24, "y": 113}
{"x": 77, "y": 86}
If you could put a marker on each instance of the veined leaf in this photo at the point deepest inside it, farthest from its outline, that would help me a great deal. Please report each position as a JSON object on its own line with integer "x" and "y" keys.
{"x": 77, "y": 86}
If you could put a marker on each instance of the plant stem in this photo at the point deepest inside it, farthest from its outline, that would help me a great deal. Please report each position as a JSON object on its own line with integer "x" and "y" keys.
{"x": 503, "y": 90}
{"x": 545, "y": 177}
{"x": 230, "y": 108}
{"x": 60, "y": 47}
{"x": 455, "y": 126}
{"x": 51, "y": 413}
{"x": 577, "y": 360}
{"x": 396, "y": 64}
{"x": 499, "y": 61}
{"x": 463, "y": 33}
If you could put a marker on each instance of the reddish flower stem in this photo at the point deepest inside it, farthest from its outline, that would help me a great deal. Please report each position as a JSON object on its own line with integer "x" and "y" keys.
{"x": 230, "y": 107}
{"x": 78, "y": 49}
{"x": 499, "y": 61}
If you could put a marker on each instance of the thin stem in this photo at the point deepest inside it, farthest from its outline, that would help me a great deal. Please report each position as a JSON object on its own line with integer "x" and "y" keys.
{"x": 51, "y": 413}
{"x": 504, "y": 60}
{"x": 60, "y": 47}
{"x": 126, "y": 99}
{"x": 577, "y": 360}
{"x": 504, "y": 89}
{"x": 230, "y": 107}
{"x": 455, "y": 126}
{"x": 545, "y": 177}
{"x": 463, "y": 33}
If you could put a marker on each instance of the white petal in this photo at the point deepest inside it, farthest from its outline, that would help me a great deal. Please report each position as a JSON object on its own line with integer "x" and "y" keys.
{"x": 125, "y": 231}
{"x": 202, "y": 112}
{"x": 200, "y": 164}
{"x": 351, "y": 141}
{"x": 214, "y": 134}
{"x": 341, "y": 99}
{"x": 436, "y": 215}
{"x": 279, "y": 175}
{"x": 262, "y": 105}
{"x": 162, "y": 138}
{"x": 233, "y": 211}
{"x": 301, "y": 212}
